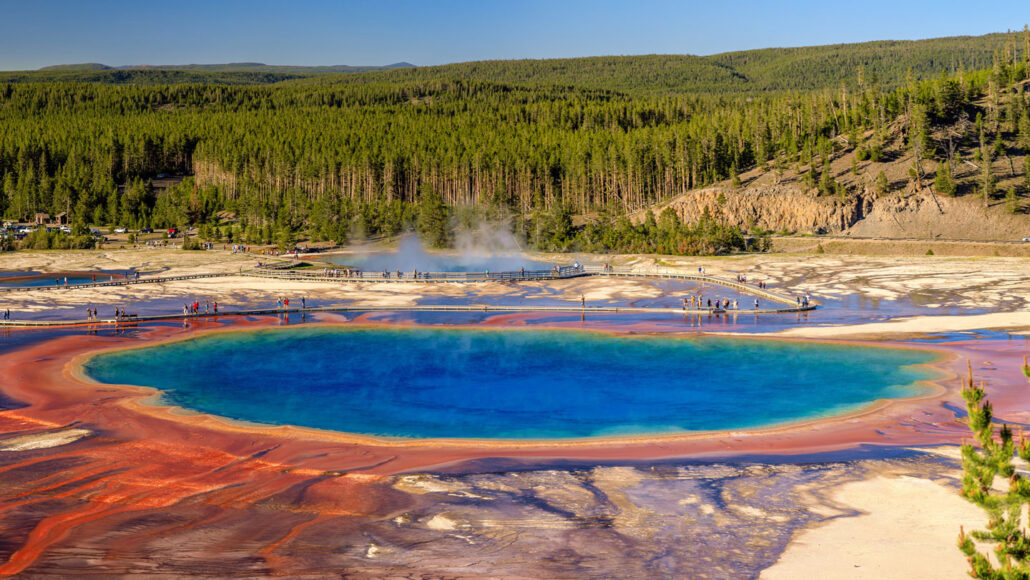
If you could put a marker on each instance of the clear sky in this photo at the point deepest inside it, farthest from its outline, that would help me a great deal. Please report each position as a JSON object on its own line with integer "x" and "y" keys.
{"x": 35, "y": 33}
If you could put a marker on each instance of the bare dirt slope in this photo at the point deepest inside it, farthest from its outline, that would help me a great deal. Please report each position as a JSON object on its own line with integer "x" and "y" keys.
{"x": 783, "y": 201}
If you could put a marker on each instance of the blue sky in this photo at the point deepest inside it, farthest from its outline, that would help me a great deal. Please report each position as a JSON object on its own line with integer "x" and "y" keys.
{"x": 36, "y": 33}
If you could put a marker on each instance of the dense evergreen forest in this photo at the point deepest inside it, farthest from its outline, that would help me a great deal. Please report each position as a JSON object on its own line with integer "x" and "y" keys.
{"x": 334, "y": 155}
{"x": 886, "y": 63}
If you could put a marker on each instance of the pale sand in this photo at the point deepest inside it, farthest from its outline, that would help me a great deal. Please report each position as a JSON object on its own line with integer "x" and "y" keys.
{"x": 43, "y": 440}
{"x": 908, "y": 528}
{"x": 1016, "y": 321}
{"x": 969, "y": 282}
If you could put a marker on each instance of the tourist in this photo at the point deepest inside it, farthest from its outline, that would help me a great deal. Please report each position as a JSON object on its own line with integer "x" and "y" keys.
{"x": 582, "y": 301}
{"x": 286, "y": 302}
{"x": 756, "y": 303}
{"x": 214, "y": 306}
{"x": 303, "y": 303}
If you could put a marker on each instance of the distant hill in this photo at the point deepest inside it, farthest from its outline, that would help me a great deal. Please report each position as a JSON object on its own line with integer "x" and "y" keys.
{"x": 230, "y": 73}
{"x": 258, "y": 67}
{"x": 753, "y": 71}
{"x": 887, "y": 62}
{"x": 76, "y": 67}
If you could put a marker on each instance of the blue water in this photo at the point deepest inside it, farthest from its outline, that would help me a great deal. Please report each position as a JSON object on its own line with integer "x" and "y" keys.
{"x": 31, "y": 279}
{"x": 510, "y": 384}
{"x": 45, "y": 280}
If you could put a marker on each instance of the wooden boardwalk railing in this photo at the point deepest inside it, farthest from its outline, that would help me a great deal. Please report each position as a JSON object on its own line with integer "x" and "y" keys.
{"x": 344, "y": 275}
{"x": 117, "y": 282}
{"x": 134, "y": 319}
{"x": 739, "y": 286}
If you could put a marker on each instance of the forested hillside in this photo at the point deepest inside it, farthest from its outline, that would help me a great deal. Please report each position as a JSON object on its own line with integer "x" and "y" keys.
{"x": 326, "y": 159}
{"x": 886, "y": 63}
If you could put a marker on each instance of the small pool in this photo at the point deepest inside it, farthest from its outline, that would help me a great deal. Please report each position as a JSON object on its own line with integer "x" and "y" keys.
{"x": 410, "y": 255}
{"x": 32, "y": 278}
{"x": 467, "y": 383}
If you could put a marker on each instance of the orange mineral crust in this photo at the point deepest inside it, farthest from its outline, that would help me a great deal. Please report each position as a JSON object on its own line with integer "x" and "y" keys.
{"x": 97, "y": 473}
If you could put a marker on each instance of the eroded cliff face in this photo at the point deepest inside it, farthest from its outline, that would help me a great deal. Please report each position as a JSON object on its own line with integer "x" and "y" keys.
{"x": 779, "y": 209}
{"x": 898, "y": 215}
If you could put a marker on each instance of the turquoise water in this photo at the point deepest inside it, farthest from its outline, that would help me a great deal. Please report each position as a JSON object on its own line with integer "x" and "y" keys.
{"x": 510, "y": 384}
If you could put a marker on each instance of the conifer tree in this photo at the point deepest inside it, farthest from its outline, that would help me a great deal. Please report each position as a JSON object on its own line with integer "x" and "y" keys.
{"x": 982, "y": 465}
{"x": 943, "y": 182}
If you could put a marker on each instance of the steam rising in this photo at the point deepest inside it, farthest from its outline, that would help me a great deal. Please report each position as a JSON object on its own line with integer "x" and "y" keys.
{"x": 487, "y": 246}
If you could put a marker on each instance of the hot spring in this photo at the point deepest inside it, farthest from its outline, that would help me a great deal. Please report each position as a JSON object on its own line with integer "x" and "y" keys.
{"x": 411, "y": 255}
{"x": 462, "y": 383}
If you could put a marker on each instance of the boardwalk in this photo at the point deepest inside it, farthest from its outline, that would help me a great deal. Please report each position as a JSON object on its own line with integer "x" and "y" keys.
{"x": 495, "y": 309}
{"x": 565, "y": 272}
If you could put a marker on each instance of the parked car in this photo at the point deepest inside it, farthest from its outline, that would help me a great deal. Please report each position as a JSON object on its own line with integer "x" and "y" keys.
{"x": 146, "y": 230}
{"x": 119, "y": 230}
{"x": 1026, "y": 239}
{"x": 172, "y": 232}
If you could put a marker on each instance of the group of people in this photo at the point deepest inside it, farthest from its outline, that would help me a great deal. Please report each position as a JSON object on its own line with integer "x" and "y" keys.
{"x": 284, "y": 302}
{"x": 93, "y": 314}
{"x": 742, "y": 279}
{"x": 699, "y": 301}
{"x": 802, "y": 301}
{"x": 341, "y": 273}
{"x": 400, "y": 275}
{"x": 210, "y": 307}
